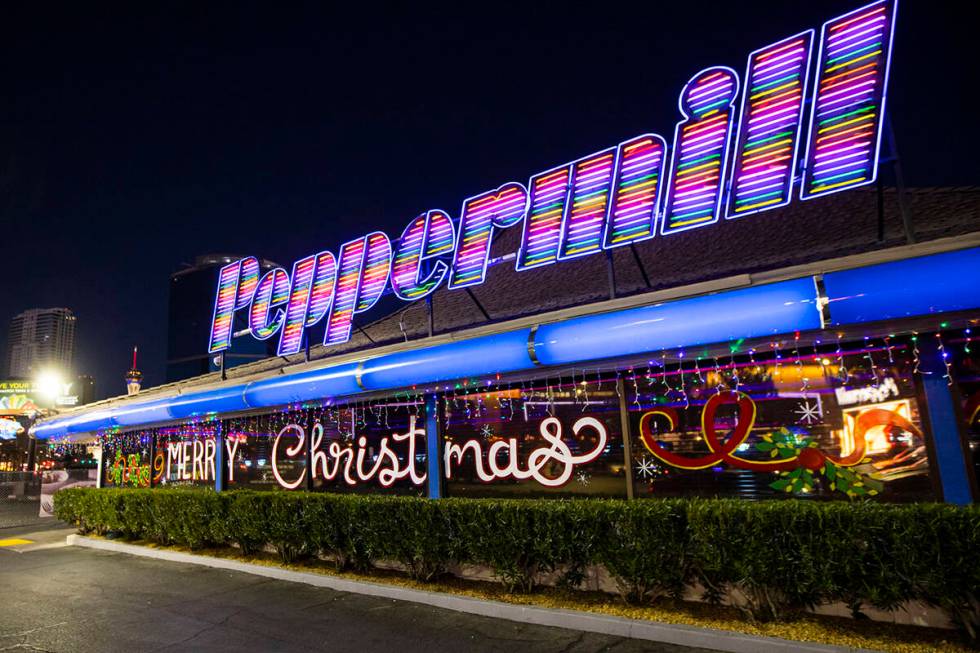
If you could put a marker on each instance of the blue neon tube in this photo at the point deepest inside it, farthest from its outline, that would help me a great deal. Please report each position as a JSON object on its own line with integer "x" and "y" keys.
{"x": 335, "y": 381}
{"x": 500, "y": 353}
{"x": 925, "y": 285}
{"x": 723, "y": 317}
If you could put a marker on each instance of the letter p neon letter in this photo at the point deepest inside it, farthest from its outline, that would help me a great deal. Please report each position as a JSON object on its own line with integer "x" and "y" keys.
{"x": 362, "y": 273}
{"x": 236, "y": 285}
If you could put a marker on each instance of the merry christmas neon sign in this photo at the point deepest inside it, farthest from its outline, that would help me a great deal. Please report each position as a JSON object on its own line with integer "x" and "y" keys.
{"x": 735, "y": 152}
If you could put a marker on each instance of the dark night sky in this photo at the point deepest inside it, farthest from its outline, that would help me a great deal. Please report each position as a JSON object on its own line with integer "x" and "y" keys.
{"x": 134, "y": 137}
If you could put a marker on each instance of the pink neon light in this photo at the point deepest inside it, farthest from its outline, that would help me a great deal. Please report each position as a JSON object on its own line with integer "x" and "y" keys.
{"x": 767, "y": 143}
{"x": 480, "y": 215}
{"x": 272, "y": 291}
{"x": 427, "y": 237}
{"x": 849, "y": 99}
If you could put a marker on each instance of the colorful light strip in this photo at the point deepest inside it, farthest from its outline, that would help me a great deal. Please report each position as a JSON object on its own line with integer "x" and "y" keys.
{"x": 632, "y": 213}
{"x": 768, "y": 139}
{"x": 427, "y": 237}
{"x": 480, "y": 215}
{"x": 236, "y": 285}
{"x": 542, "y": 227}
{"x": 849, "y": 100}
{"x": 349, "y": 266}
{"x": 585, "y": 214}
{"x": 377, "y": 265}
{"x": 309, "y": 297}
{"x": 324, "y": 280}
{"x": 701, "y": 142}
{"x": 362, "y": 276}
{"x": 297, "y": 306}
{"x": 272, "y": 291}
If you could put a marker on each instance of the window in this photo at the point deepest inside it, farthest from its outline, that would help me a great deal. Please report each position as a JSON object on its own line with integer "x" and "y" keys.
{"x": 126, "y": 459}
{"x": 808, "y": 421}
{"x": 964, "y": 348}
{"x": 186, "y": 454}
{"x": 537, "y": 439}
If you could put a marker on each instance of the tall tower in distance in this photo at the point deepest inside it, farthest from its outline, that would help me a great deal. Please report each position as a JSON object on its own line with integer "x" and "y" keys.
{"x": 40, "y": 338}
{"x": 191, "y": 305}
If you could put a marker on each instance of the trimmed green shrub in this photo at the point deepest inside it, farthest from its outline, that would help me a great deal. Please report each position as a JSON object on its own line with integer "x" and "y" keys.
{"x": 518, "y": 539}
{"x": 247, "y": 522}
{"x": 772, "y": 558}
{"x": 770, "y": 555}
{"x": 413, "y": 531}
{"x": 646, "y": 548}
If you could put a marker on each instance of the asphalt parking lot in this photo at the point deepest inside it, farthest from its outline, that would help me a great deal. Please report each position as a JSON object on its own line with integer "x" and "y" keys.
{"x": 66, "y": 599}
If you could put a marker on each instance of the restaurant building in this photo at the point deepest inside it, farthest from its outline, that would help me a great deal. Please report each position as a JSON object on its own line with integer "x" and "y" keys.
{"x": 723, "y": 316}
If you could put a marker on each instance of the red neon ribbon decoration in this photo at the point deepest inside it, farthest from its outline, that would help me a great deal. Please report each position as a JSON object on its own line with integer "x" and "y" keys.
{"x": 724, "y": 451}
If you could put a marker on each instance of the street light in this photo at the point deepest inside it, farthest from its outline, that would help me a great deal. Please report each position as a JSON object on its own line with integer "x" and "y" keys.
{"x": 50, "y": 384}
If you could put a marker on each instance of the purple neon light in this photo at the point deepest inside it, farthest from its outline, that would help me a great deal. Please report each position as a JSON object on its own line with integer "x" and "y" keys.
{"x": 849, "y": 100}
{"x": 769, "y": 132}
{"x": 695, "y": 188}
{"x": 542, "y": 228}
{"x": 481, "y": 214}
{"x": 632, "y": 213}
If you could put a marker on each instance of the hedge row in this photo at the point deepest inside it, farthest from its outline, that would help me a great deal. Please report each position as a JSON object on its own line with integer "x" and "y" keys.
{"x": 781, "y": 556}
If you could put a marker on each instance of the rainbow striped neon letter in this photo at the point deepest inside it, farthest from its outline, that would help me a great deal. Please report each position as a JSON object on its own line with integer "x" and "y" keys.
{"x": 272, "y": 291}
{"x": 769, "y": 132}
{"x": 428, "y": 236}
{"x": 309, "y": 298}
{"x": 236, "y": 284}
{"x": 849, "y": 100}
{"x": 481, "y": 214}
{"x": 632, "y": 213}
{"x": 585, "y": 212}
{"x": 542, "y": 228}
{"x": 363, "y": 267}
{"x": 697, "y": 169}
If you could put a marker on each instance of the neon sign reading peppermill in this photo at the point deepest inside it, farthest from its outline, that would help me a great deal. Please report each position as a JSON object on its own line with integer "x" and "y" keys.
{"x": 735, "y": 152}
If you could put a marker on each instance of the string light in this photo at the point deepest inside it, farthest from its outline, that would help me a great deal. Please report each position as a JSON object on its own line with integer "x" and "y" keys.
{"x": 841, "y": 367}
{"x": 871, "y": 361}
{"x": 944, "y": 355}
{"x": 636, "y": 389}
{"x": 915, "y": 353}
{"x": 683, "y": 385}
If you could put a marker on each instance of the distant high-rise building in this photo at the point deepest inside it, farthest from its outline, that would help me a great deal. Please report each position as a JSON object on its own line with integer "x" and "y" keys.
{"x": 40, "y": 338}
{"x": 85, "y": 389}
{"x": 190, "y": 307}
